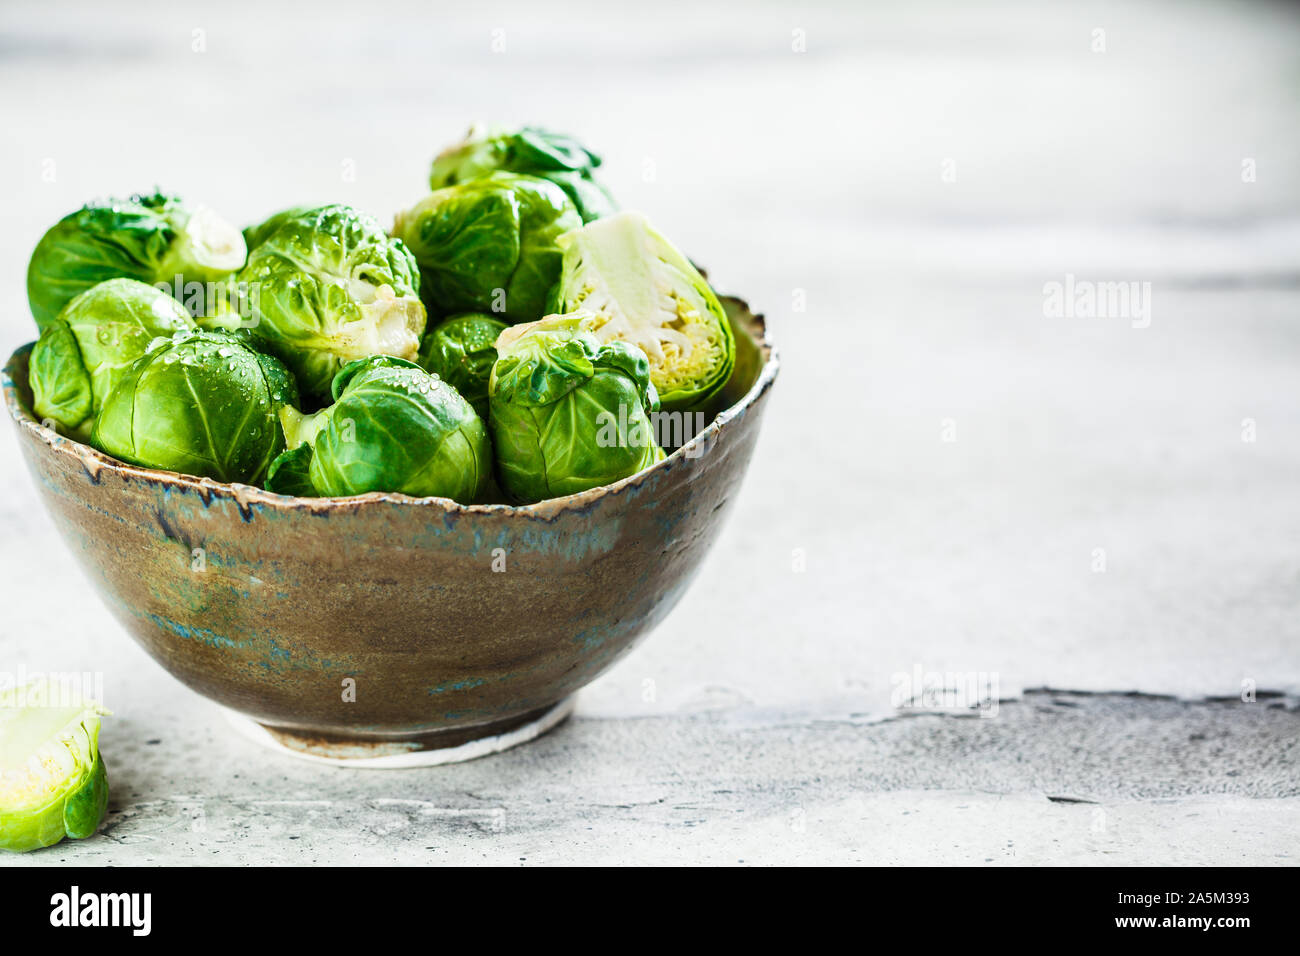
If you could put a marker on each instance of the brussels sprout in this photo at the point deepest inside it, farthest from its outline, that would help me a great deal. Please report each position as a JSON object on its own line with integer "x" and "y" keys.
{"x": 329, "y": 287}
{"x": 255, "y": 235}
{"x": 81, "y": 354}
{"x": 290, "y": 473}
{"x": 643, "y": 290}
{"x": 52, "y": 779}
{"x": 537, "y": 152}
{"x": 392, "y": 427}
{"x": 203, "y": 404}
{"x": 224, "y": 315}
{"x": 461, "y": 351}
{"x": 489, "y": 245}
{"x": 568, "y": 413}
{"x": 155, "y": 239}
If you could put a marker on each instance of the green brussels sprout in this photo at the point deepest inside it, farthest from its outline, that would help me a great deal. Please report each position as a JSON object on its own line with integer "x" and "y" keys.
{"x": 257, "y": 234}
{"x": 81, "y": 354}
{"x": 329, "y": 287}
{"x": 643, "y": 290}
{"x": 536, "y": 152}
{"x": 154, "y": 239}
{"x": 489, "y": 245}
{"x": 52, "y": 778}
{"x": 225, "y": 315}
{"x": 203, "y": 404}
{"x": 461, "y": 351}
{"x": 569, "y": 413}
{"x": 290, "y": 473}
{"x": 392, "y": 427}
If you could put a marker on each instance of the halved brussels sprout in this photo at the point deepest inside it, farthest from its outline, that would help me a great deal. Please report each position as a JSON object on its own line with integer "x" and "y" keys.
{"x": 489, "y": 245}
{"x": 569, "y": 413}
{"x": 461, "y": 351}
{"x": 641, "y": 289}
{"x": 537, "y": 152}
{"x": 202, "y": 404}
{"x": 154, "y": 239}
{"x": 392, "y": 427}
{"x": 328, "y": 287}
{"x": 52, "y": 778}
{"x": 81, "y": 354}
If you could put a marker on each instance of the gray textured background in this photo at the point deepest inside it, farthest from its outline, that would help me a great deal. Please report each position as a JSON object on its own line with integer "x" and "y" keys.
{"x": 757, "y": 723}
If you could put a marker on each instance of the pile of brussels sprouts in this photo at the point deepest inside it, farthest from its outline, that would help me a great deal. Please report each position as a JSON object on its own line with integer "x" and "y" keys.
{"x": 510, "y": 339}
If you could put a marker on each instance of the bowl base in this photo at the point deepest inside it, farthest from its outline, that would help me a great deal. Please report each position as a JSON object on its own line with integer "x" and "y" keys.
{"x": 428, "y": 750}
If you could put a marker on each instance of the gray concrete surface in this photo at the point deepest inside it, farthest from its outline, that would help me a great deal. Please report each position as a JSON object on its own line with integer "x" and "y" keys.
{"x": 950, "y": 479}
{"x": 1053, "y": 778}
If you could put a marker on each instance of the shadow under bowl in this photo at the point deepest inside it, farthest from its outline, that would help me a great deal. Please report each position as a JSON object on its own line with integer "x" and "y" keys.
{"x": 381, "y": 624}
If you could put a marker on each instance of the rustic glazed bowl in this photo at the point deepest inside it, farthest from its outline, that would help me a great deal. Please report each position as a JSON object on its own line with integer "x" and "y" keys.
{"x": 447, "y": 623}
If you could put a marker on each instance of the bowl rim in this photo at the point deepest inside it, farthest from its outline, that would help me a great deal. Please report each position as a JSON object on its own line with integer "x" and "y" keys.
{"x": 94, "y": 462}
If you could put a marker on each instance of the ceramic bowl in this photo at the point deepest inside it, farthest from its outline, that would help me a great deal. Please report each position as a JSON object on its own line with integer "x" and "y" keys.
{"x": 382, "y": 624}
